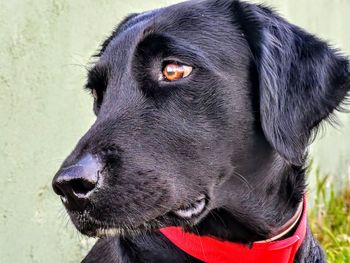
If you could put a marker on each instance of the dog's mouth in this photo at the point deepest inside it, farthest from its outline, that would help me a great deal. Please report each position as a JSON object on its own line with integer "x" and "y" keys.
{"x": 193, "y": 210}
{"x": 186, "y": 215}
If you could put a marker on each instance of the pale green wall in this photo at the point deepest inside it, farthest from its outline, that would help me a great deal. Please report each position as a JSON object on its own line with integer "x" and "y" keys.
{"x": 44, "y": 45}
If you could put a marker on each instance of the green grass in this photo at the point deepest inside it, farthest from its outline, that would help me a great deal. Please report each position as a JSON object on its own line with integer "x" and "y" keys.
{"x": 330, "y": 221}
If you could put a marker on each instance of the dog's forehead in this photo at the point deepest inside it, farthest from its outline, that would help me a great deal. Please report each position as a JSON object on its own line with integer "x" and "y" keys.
{"x": 186, "y": 21}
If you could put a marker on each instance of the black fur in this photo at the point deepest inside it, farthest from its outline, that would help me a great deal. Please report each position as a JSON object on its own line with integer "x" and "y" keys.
{"x": 236, "y": 130}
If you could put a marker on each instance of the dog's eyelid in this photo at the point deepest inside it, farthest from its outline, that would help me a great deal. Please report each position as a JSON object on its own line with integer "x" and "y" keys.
{"x": 97, "y": 83}
{"x": 89, "y": 86}
{"x": 97, "y": 77}
{"x": 93, "y": 90}
{"x": 180, "y": 60}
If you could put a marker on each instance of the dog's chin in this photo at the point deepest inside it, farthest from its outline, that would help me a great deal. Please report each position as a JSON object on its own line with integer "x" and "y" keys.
{"x": 92, "y": 227}
{"x": 185, "y": 216}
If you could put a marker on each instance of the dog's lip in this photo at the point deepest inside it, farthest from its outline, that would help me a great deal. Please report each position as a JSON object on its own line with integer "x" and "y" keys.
{"x": 189, "y": 212}
{"x": 90, "y": 226}
{"x": 105, "y": 232}
{"x": 194, "y": 209}
{"x": 93, "y": 227}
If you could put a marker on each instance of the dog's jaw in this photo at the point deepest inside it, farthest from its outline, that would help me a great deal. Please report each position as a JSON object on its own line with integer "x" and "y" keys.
{"x": 187, "y": 216}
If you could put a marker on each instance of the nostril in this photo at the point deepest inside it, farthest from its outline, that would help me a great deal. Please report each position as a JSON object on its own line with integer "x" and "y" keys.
{"x": 57, "y": 190}
{"x": 82, "y": 187}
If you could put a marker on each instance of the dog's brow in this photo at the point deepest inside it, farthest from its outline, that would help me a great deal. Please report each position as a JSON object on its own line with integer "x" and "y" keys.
{"x": 127, "y": 22}
{"x": 96, "y": 78}
{"x": 115, "y": 32}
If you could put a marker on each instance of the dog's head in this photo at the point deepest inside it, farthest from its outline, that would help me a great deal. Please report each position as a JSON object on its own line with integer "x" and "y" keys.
{"x": 191, "y": 99}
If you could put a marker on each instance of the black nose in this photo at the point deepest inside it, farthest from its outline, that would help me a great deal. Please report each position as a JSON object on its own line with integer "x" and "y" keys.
{"x": 77, "y": 182}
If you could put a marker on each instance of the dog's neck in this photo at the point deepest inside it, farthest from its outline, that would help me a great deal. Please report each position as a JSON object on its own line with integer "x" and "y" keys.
{"x": 285, "y": 230}
{"x": 260, "y": 208}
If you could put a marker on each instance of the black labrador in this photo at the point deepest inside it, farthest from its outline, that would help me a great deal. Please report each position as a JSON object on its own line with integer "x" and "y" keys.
{"x": 204, "y": 113}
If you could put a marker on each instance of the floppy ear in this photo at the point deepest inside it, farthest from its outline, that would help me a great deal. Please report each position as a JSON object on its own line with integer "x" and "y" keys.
{"x": 301, "y": 79}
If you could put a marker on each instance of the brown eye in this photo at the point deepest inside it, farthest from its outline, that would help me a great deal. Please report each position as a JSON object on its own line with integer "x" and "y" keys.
{"x": 94, "y": 94}
{"x": 174, "y": 71}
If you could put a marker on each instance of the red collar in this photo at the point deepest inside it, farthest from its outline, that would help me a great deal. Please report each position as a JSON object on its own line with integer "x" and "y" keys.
{"x": 212, "y": 250}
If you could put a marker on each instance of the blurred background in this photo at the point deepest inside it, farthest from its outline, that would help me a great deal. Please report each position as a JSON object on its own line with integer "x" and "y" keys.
{"x": 44, "y": 48}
